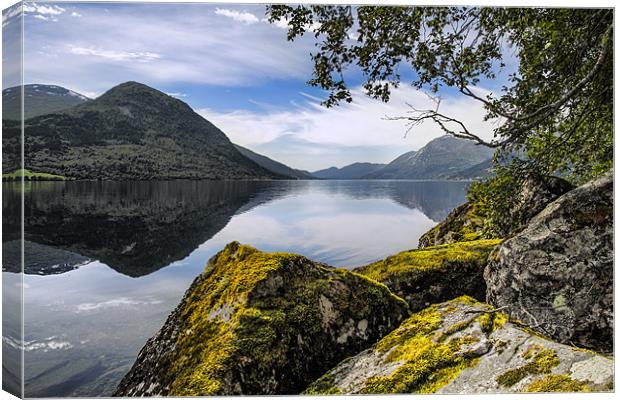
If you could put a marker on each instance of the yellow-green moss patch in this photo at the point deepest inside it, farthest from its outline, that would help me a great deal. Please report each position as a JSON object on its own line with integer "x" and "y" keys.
{"x": 557, "y": 383}
{"x": 542, "y": 363}
{"x": 489, "y": 322}
{"x": 429, "y": 258}
{"x": 428, "y": 363}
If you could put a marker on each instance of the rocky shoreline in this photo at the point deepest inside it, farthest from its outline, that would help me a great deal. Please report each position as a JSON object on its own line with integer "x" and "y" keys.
{"x": 416, "y": 322}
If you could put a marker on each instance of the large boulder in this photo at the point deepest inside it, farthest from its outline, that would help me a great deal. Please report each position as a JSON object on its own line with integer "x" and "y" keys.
{"x": 434, "y": 274}
{"x": 557, "y": 274}
{"x": 261, "y": 323}
{"x": 465, "y": 347}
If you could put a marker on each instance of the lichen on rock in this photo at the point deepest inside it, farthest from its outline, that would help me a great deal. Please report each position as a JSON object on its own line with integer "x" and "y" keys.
{"x": 463, "y": 346}
{"x": 427, "y": 276}
{"x": 556, "y": 275}
{"x": 262, "y": 323}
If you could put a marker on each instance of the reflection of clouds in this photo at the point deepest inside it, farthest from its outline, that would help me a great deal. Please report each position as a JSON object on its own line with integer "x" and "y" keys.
{"x": 114, "y": 303}
{"x": 45, "y": 345}
{"x": 328, "y": 228}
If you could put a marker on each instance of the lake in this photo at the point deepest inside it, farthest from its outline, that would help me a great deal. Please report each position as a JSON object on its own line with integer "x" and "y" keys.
{"x": 106, "y": 262}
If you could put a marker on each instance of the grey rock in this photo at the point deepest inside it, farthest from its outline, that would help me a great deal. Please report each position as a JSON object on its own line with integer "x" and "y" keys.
{"x": 534, "y": 195}
{"x": 459, "y": 347}
{"x": 557, "y": 274}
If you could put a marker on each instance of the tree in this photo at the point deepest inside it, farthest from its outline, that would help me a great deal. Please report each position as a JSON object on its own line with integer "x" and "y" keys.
{"x": 556, "y": 110}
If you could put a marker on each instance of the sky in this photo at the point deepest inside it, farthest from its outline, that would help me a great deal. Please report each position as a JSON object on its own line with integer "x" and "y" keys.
{"x": 233, "y": 68}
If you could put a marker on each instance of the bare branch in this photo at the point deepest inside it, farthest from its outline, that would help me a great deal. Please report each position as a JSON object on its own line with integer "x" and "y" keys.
{"x": 416, "y": 117}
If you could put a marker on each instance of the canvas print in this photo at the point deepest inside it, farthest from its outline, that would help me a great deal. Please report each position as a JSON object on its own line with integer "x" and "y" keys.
{"x": 203, "y": 199}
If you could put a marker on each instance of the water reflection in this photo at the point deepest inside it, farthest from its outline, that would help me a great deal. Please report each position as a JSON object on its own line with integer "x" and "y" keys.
{"x": 139, "y": 227}
{"x": 107, "y": 262}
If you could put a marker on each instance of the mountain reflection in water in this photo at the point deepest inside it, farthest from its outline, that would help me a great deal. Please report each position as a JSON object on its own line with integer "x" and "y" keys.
{"x": 137, "y": 228}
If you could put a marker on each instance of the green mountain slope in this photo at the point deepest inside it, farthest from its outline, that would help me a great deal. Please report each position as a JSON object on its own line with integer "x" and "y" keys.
{"x": 131, "y": 132}
{"x": 353, "y": 171}
{"x": 441, "y": 158}
{"x": 38, "y": 100}
{"x": 274, "y": 166}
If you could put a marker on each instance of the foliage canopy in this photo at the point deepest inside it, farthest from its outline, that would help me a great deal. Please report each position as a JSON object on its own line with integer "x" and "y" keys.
{"x": 555, "y": 111}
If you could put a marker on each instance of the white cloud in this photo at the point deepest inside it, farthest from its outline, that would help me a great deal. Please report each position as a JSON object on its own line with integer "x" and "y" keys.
{"x": 114, "y": 55}
{"x": 114, "y": 303}
{"x": 11, "y": 14}
{"x": 283, "y": 23}
{"x": 176, "y": 94}
{"x": 194, "y": 45}
{"x": 44, "y": 18}
{"x": 76, "y": 14}
{"x": 43, "y": 12}
{"x": 239, "y": 16}
{"x": 44, "y": 345}
{"x": 312, "y": 136}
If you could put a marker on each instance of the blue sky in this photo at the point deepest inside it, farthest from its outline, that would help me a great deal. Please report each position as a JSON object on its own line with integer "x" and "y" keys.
{"x": 232, "y": 67}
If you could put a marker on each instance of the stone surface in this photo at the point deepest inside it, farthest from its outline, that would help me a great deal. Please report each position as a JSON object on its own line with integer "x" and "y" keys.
{"x": 460, "y": 347}
{"x": 434, "y": 274}
{"x": 535, "y": 193}
{"x": 557, "y": 274}
{"x": 262, "y": 323}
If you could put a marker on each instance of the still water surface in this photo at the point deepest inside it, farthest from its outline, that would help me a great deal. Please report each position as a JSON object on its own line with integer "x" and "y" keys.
{"x": 106, "y": 262}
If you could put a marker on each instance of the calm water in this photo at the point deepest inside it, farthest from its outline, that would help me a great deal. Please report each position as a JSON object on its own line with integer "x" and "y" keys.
{"x": 106, "y": 262}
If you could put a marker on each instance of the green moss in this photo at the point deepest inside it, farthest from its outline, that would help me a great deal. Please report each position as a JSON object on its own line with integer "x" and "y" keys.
{"x": 429, "y": 259}
{"x": 31, "y": 176}
{"x": 557, "y": 383}
{"x": 428, "y": 363}
{"x": 428, "y": 366}
{"x": 491, "y": 321}
{"x": 322, "y": 386}
{"x": 463, "y": 224}
{"x": 542, "y": 362}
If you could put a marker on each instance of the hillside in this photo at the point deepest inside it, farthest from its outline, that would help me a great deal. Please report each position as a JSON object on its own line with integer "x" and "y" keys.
{"x": 38, "y": 100}
{"x": 274, "y": 166}
{"x": 131, "y": 132}
{"x": 353, "y": 171}
{"x": 441, "y": 158}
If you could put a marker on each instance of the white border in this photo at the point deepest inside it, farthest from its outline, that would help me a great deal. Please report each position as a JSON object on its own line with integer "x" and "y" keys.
{"x": 500, "y": 3}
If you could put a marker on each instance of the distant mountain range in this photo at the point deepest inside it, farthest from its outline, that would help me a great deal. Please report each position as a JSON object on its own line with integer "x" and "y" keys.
{"x": 134, "y": 132}
{"x": 275, "y": 166}
{"x": 353, "y": 171}
{"x": 441, "y": 158}
{"x": 38, "y": 100}
{"x": 446, "y": 157}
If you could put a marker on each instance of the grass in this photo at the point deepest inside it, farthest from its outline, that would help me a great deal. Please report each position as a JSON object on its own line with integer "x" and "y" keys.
{"x": 31, "y": 176}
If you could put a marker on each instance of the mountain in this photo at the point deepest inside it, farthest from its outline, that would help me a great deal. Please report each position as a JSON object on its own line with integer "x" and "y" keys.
{"x": 274, "y": 166}
{"x": 131, "y": 132}
{"x": 353, "y": 171}
{"x": 441, "y": 158}
{"x": 480, "y": 170}
{"x": 38, "y": 100}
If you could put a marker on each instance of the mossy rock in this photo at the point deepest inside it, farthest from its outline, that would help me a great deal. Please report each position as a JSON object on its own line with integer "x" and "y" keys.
{"x": 262, "y": 323}
{"x": 434, "y": 274}
{"x": 465, "y": 347}
{"x": 463, "y": 224}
